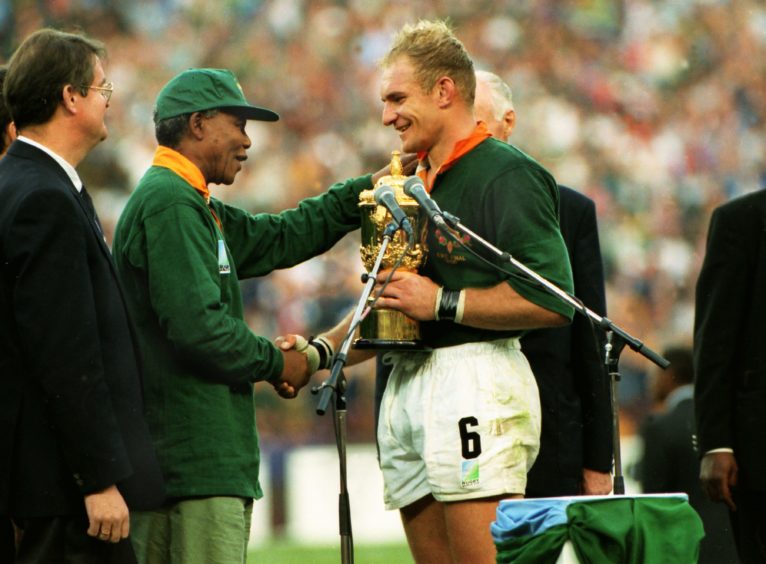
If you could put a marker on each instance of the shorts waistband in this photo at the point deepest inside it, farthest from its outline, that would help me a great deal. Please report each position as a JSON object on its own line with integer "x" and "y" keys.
{"x": 507, "y": 343}
{"x": 456, "y": 351}
{"x": 478, "y": 347}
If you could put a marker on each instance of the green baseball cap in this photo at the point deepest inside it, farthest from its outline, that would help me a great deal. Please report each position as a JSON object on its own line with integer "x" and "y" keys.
{"x": 197, "y": 90}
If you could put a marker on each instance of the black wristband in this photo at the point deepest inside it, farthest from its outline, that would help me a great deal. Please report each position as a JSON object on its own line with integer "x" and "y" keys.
{"x": 448, "y": 304}
{"x": 325, "y": 352}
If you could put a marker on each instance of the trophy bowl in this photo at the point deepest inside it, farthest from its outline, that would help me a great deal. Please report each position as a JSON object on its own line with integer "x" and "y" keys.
{"x": 382, "y": 328}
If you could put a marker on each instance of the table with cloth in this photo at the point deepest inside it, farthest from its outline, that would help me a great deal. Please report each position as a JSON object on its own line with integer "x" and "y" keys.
{"x": 629, "y": 529}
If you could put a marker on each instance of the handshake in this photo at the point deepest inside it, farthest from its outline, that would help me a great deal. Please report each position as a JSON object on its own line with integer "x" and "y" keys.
{"x": 301, "y": 359}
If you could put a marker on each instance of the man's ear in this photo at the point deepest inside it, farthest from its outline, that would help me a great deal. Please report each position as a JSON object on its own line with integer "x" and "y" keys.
{"x": 68, "y": 98}
{"x": 445, "y": 91}
{"x": 196, "y": 125}
{"x": 509, "y": 122}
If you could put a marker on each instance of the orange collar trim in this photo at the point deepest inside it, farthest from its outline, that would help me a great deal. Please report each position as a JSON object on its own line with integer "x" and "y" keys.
{"x": 183, "y": 167}
{"x": 479, "y": 134}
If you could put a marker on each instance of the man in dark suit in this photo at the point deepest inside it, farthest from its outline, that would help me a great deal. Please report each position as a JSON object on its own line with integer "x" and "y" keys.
{"x": 730, "y": 368}
{"x": 7, "y": 135}
{"x": 76, "y": 454}
{"x": 670, "y": 462}
{"x": 576, "y": 440}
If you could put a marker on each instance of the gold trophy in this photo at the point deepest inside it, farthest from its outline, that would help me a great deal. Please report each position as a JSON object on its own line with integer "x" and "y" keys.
{"x": 387, "y": 329}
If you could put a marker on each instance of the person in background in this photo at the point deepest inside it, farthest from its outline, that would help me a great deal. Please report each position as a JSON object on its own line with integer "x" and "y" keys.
{"x": 670, "y": 462}
{"x": 576, "y": 441}
{"x": 180, "y": 254}
{"x": 730, "y": 368}
{"x": 77, "y": 456}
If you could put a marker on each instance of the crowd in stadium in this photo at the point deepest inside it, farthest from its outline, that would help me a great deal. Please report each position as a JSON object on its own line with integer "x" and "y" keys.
{"x": 653, "y": 109}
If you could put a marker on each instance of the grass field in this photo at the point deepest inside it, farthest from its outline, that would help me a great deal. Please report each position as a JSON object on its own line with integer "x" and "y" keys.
{"x": 284, "y": 553}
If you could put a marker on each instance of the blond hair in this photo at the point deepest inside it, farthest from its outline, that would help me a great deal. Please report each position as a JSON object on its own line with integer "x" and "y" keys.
{"x": 435, "y": 52}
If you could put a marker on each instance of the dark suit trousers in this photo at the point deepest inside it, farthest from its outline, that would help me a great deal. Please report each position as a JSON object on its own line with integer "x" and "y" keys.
{"x": 749, "y": 526}
{"x": 64, "y": 540}
{"x": 7, "y": 541}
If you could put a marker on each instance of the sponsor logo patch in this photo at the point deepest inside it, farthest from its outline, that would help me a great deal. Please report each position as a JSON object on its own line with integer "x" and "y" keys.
{"x": 469, "y": 474}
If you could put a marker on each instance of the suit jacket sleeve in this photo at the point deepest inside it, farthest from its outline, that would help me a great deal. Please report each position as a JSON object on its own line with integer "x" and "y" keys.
{"x": 587, "y": 343}
{"x": 57, "y": 324}
{"x": 722, "y": 298}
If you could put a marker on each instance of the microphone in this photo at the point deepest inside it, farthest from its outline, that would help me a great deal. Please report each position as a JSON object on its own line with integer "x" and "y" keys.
{"x": 415, "y": 189}
{"x": 385, "y": 196}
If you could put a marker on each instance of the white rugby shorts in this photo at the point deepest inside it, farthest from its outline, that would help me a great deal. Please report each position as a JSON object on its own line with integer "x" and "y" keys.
{"x": 459, "y": 422}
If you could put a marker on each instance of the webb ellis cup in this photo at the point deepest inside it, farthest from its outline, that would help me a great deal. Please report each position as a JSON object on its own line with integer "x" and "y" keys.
{"x": 386, "y": 329}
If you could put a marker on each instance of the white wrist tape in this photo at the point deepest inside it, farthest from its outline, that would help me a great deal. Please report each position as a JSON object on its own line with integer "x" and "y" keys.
{"x": 460, "y": 307}
{"x": 312, "y": 355}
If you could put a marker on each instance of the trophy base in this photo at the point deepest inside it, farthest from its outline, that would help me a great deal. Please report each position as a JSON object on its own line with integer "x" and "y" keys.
{"x": 389, "y": 345}
{"x": 389, "y": 330}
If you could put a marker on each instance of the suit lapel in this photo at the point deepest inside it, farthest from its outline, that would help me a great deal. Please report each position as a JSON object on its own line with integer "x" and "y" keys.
{"x": 83, "y": 198}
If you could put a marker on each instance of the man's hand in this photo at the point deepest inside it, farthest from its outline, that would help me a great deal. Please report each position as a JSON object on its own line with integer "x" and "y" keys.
{"x": 295, "y": 373}
{"x": 718, "y": 473}
{"x": 108, "y": 516}
{"x": 409, "y": 163}
{"x": 596, "y": 483}
{"x": 410, "y": 293}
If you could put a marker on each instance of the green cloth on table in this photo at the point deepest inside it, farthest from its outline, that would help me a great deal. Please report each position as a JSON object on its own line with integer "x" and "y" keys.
{"x": 625, "y": 530}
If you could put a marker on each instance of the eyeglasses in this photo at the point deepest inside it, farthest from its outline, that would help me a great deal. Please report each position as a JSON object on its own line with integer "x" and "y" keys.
{"x": 105, "y": 90}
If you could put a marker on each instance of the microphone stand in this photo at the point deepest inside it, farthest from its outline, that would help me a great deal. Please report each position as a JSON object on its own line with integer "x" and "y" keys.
{"x": 336, "y": 384}
{"x": 616, "y": 338}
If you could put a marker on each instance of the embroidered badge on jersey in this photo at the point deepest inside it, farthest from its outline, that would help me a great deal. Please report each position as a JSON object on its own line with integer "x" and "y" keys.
{"x": 469, "y": 473}
{"x": 223, "y": 259}
{"x": 454, "y": 253}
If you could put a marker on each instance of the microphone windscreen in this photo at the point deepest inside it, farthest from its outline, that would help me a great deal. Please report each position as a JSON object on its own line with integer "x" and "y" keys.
{"x": 382, "y": 192}
{"x": 411, "y": 183}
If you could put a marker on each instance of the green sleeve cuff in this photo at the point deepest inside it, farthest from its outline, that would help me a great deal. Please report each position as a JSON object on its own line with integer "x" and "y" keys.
{"x": 277, "y": 366}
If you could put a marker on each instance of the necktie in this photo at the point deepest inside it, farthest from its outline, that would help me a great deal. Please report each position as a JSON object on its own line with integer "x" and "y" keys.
{"x": 91, "y": 210}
